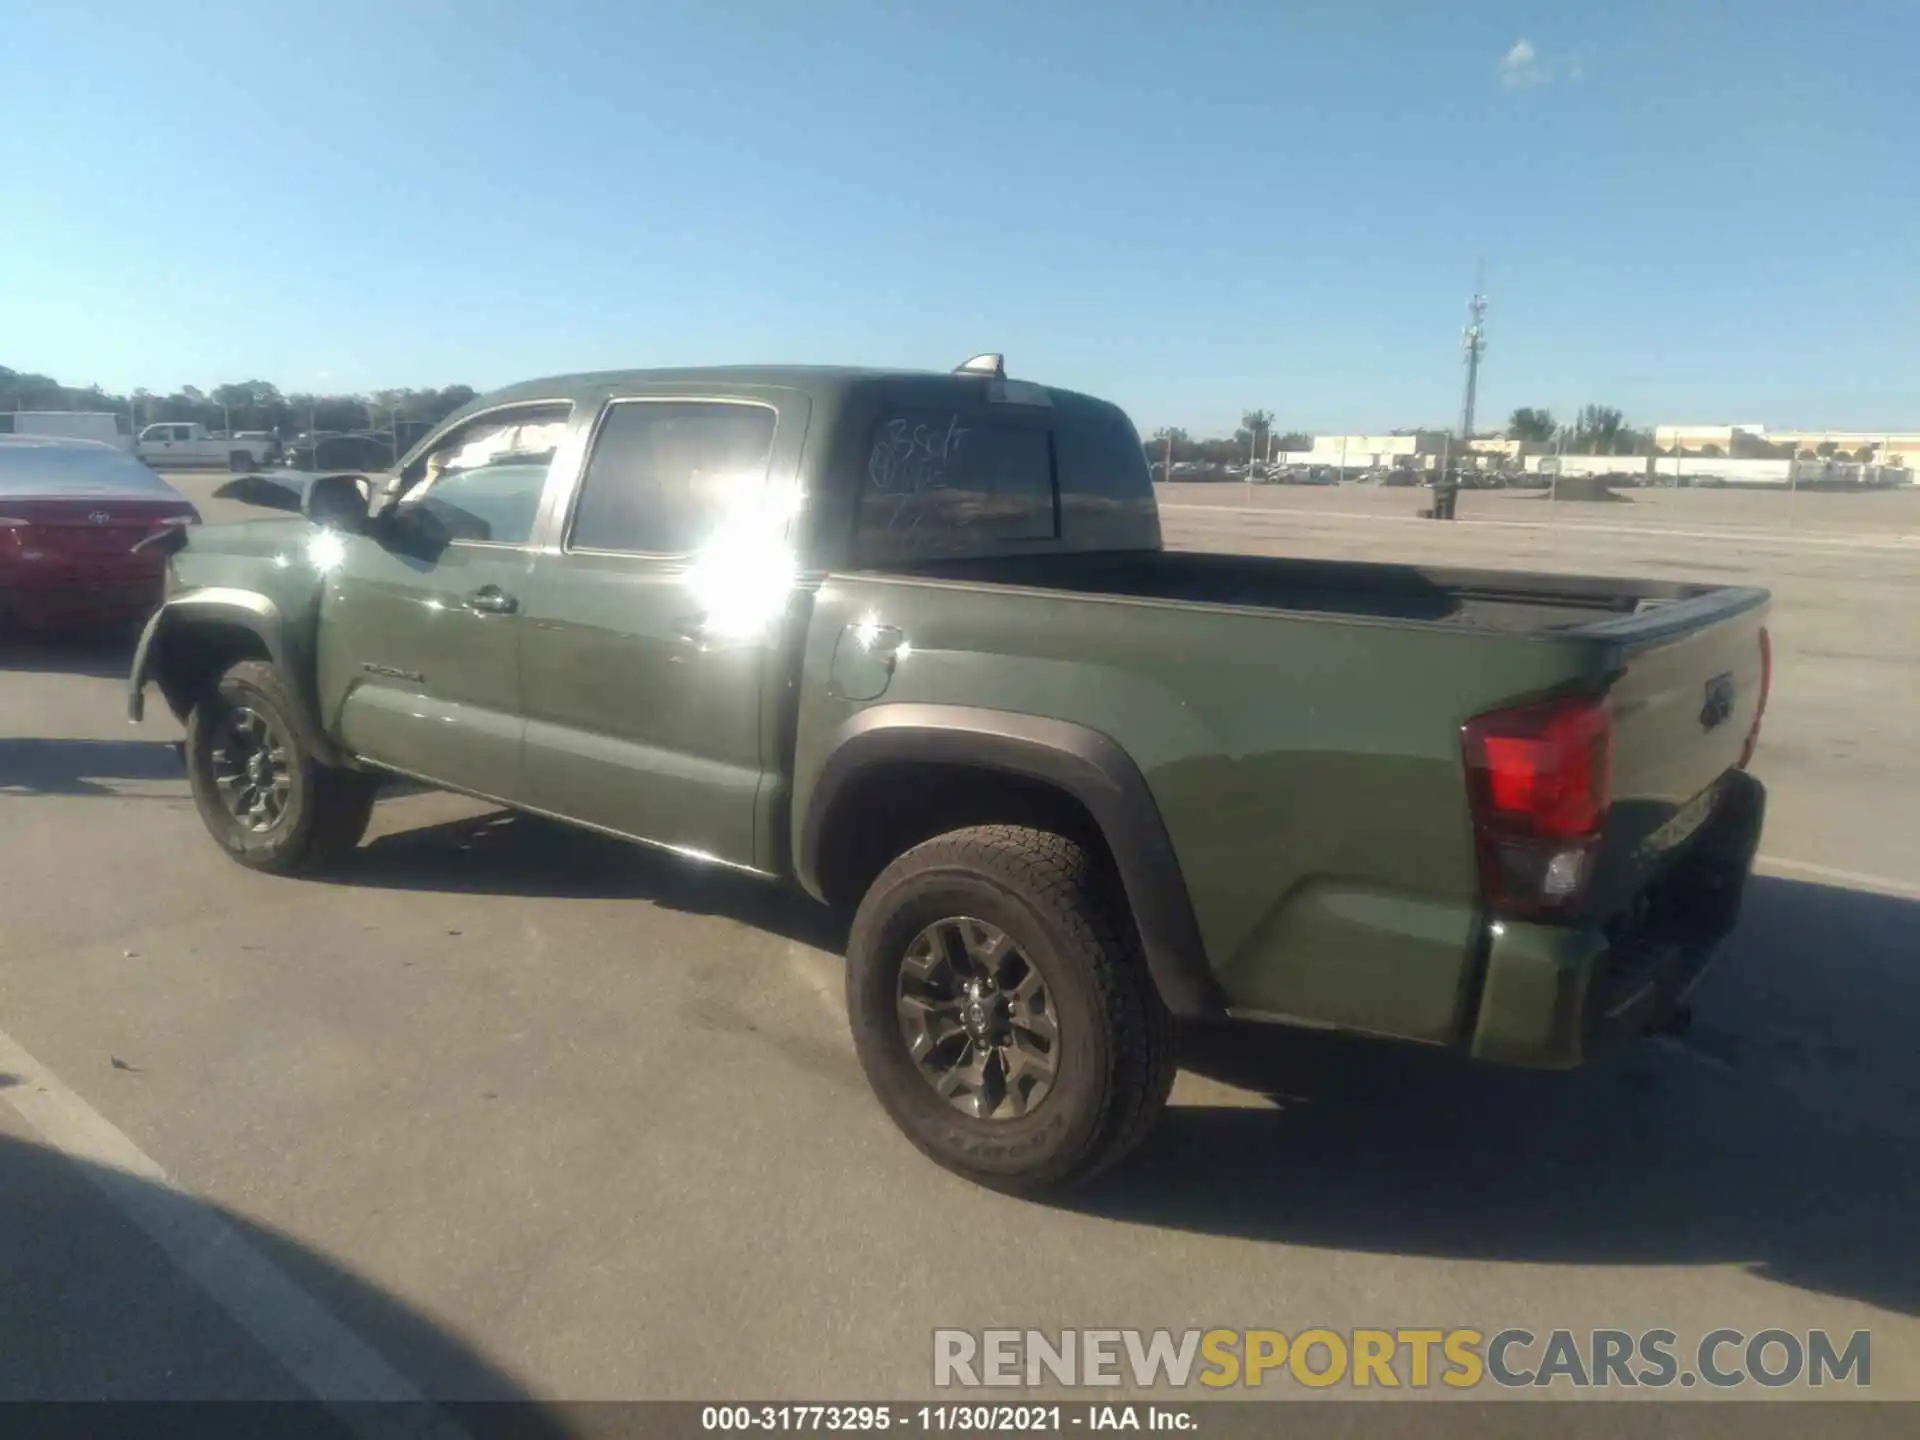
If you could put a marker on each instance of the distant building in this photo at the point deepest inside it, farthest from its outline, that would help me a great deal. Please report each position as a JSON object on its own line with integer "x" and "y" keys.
{"x": 1757, "y": 441}
{"x": 1506, "y": 449}
{"x": 1895, "y": 448}
{"x": 1698, "y": 439}
{"x": 1418, "y": 450}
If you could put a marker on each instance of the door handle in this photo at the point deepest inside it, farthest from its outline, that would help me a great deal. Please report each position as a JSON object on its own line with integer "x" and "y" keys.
{"x": 491, "y": 600}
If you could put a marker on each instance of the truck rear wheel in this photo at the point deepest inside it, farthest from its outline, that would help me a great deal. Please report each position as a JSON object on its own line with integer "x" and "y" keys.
{"x": 262, "y": 794}
{"x": 1002, "y": 1010}
{"x": 240, "y": 462}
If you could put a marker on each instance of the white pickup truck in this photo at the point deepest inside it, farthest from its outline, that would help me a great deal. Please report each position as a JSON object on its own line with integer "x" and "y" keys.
{"x": 180, "y": 443}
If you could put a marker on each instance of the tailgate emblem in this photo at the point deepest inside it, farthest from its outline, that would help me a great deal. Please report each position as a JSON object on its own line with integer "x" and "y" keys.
{"x": 100, "y": 517}
{"x": 1719, "y": 706}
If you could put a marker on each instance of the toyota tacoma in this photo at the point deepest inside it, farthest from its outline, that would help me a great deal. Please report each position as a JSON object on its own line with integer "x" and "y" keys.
{"x": 913, "y": 642}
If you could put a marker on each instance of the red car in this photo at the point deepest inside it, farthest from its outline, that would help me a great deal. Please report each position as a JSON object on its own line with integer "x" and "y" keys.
{"x": 71, "y": 513}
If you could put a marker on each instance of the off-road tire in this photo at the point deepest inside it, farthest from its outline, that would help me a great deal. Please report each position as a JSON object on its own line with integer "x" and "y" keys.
{"x": 1117, "y": 1041}
{"x": 326, "y": 810}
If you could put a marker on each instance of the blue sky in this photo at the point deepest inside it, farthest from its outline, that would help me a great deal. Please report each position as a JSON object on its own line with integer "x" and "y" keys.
{"x": 1690, "y": 210}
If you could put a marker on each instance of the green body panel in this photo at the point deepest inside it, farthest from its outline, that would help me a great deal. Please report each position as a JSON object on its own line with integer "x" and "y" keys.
{"x": 1306, "y": 766}
{"x": 634, "y": 723}
{"x": 1533, "y": 1002}
{"x": 408, "y": 677}
{"x": 1318, "y": 811}
{"x": 645, "y": 717}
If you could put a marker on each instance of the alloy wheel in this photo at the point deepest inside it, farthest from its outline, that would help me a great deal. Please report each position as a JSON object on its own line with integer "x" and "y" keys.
{"x": 978, "y": 1019}
{"x": 250, "y": 770}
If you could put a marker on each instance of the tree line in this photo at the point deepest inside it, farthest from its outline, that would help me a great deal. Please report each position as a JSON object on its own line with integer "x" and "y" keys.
{"x": 1601, "y": 430}
{"x": 1597, "y": 430}
{"x": 249, "y": 405}
{"x": 1251, "y": 439}
{"x": 260, "y": 405}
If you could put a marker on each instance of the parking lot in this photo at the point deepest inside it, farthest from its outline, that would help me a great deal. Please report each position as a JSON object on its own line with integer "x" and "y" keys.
{"x": 508, "y": 1110}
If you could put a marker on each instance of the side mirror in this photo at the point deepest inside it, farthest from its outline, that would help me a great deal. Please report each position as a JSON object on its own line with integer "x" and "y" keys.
{"x": 339, "y": 501}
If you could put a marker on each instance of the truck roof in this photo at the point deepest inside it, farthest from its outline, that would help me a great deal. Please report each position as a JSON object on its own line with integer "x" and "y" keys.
{"x": 818, "y": 381}
{"x": 1099, "y": 495}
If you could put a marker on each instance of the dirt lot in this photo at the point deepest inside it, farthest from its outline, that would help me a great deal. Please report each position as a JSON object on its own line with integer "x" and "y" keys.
{"x": 509, "y": 1111}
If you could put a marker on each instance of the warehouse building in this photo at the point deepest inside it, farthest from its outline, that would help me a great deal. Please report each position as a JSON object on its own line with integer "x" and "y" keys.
{"x": 1757, "y": 441}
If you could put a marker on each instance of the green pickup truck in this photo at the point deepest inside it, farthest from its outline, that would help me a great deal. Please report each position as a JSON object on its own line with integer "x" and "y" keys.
{"x": 912, "y": 641}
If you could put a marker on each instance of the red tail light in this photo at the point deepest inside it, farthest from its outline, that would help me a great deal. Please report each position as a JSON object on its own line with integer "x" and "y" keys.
{"x": 1539, "y": 780}
{"x": 1766, "y": 689}
{"x": 161, "y": 524}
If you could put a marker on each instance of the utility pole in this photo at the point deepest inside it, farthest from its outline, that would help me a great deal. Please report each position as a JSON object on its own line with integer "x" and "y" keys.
{"x": 1473, "y": 341}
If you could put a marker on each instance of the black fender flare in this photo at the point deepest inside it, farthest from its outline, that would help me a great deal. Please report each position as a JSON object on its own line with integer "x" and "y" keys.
{"x": 1090, "y": 767}
{"x": 238, "y": 609}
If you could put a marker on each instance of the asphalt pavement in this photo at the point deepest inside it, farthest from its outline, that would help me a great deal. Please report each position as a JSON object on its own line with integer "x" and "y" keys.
{"x": 506, "y": 1110}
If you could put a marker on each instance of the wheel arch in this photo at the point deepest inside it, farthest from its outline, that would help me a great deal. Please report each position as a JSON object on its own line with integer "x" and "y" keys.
{"x": 894, "y": 775}
{"x": 195, "y": 636}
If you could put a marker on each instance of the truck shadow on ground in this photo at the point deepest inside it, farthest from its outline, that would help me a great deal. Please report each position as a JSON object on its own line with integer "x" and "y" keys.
{"x": 1782, "y": 1134}
{"x": 108, "y": 656}
{"x": 95, "y": 1310}
{"x": 505, "y": 853}
{"x": 47, "y": 766}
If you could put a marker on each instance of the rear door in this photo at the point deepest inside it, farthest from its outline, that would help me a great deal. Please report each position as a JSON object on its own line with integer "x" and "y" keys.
{"x": 420, "y": 624}
{"x": 652, "y": 623}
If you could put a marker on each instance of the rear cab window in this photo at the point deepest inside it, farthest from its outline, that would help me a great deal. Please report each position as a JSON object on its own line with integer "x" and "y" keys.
{"x": 1041, "y": 472}
{"x": 948, "y": 482}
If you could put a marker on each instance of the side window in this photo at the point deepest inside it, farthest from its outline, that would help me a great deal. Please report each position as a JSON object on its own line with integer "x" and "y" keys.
{"x": 665, "y": 474}
{"x": 483, "y": 482}
{"x": 941, "y": 483}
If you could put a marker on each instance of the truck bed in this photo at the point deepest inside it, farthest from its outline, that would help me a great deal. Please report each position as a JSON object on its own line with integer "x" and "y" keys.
{"x": 1505, "y": 601}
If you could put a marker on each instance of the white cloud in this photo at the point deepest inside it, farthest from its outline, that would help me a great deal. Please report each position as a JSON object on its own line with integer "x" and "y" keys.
{"x": 1522, "y": 66}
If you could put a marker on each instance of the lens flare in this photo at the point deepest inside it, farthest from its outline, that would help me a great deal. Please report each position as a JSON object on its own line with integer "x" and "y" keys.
{"x": 326, "y": 551}
{"x": 743, "y": 577}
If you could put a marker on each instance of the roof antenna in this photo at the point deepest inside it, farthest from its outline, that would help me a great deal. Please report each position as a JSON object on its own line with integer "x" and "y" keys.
{"x": 990, "y": 364}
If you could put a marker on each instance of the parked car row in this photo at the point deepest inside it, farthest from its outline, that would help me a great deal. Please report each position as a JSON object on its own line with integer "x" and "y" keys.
{"x": 330, "y": 450}
{"x": 1259, "y": 473}
{"x": 184, "y": 444}
{"x": 181, "y": 444}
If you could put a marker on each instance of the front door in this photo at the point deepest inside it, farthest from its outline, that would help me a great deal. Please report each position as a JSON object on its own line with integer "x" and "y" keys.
{"x": 419, "y": 663}
{"x": 156, "y": 445}
{"x": 652, "y": 627}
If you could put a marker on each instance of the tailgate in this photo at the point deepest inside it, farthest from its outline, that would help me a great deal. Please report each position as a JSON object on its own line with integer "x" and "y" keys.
{"x": 1690, "y": 687}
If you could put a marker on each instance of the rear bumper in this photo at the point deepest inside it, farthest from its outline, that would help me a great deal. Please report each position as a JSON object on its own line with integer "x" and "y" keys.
{"x": 1555, "y": 996}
